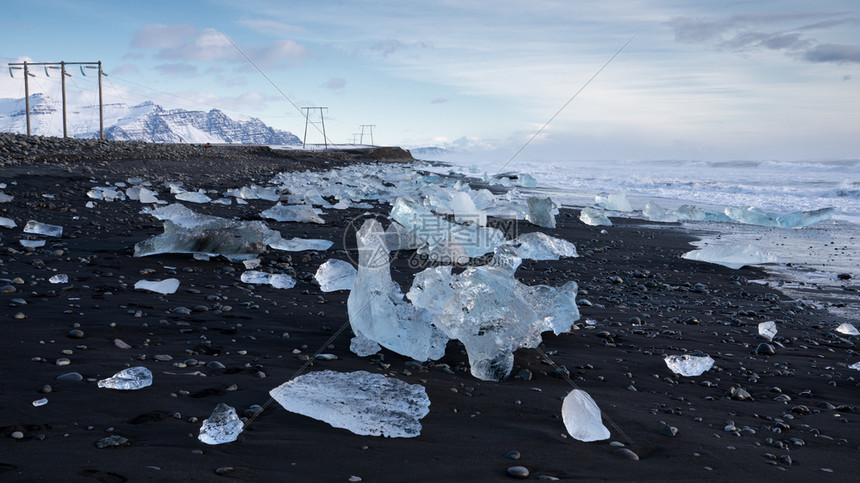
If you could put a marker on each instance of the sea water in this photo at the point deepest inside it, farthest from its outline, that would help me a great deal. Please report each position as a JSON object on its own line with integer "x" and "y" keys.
{"x": 813, "y": 261}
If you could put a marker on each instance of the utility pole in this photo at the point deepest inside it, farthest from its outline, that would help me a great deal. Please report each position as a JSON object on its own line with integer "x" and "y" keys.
{"x": 308, "y": 121}
{"x": 370, "y": 128}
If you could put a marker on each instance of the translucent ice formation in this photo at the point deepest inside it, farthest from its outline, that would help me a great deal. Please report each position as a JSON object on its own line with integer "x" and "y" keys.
{"x": 687, "y": 365}
{"x": 847, "y": 329}
{"x": 223, "y": 426}
{"x": 540, "y": 246}
{"x": 732, "y": 256}
{"x": 335, "y": 275}
{"x": 526, "y": 181}
{"x": 581, "y": 417}
{"x": 465, "y": 211}
{"x": 276, "y": 280}
{"x": 7, "y": 222}
{"x": 361, "y": 402}
{"x": 36, "y": 228}
{"x": 193, "y": 197}
{"x": 32, "y": 243}
{"x": 59, "y": 278}
{"x": 376, "y": 307}
{"x": 594, "y": 217}
{"x": 397, "y": 237}
{"x": 855, "y": 366}
{"x": 542, "y": 212}
{"x": 694, "y": 213}
{"x": 164, "y": 287}
{"x": 180, "y": 215}
{"x": 301, "y": 244}
{"x": 4, "y": 198}
{"x": 295, "y": 213}
{"x": 129, "y": 379}
{"x": 655, "y": 212}
{"x": 613, "y": 201}
{"x": 767, "y": 329}
{"x": 254, "y": 192}
{"x": 754, "y": 216}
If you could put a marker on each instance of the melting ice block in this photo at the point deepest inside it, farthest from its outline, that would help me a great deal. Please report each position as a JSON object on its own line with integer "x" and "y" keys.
{"x": 754, "y": 216}
{"x": 294, "y": 213}
{"x": 687, "y": 365}
{"x": 301, "y": 244}
{"x": 223, "y": 426}
{"x": 59, "y": 278}
{"x": 364, "y": 403}
{"x": 164, "y": 287}
{"x": 129, "y": 379}
{"x": 465, "y": 211}
{"x": 732, "y": 256}
{"x": 36, "y": 228}
{"x": 397, "y": 237}
{"x": 254, "y": 192}
{"x": 655, "y": 212}
{"x": 581, "y": 417}
{"x": 376, "y": 307}
{"x": 7, "y": 222}
{"x": 335, "y": 275}
{"x": 32, "y": 243}
{"x": 540, "y": 246}
{"x": 594, "y": 217}
{"x": 193, "y": 197}
{"x": 694, "y": 213}
{"x": 276, "y": 280}
{"x": 526, "y": 181}
{"x": 767, "y": 329}
{"x": 855, "y": 366}
{"x": 613, "y": 201}
{"x": 542, "y": 212}
{"x": 847, "y": 329}
{"x": 180, "y": 215}
{"x": 4, "y": 198}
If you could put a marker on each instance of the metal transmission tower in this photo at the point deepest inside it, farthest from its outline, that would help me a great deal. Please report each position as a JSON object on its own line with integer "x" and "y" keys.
{"x": 370, "y": 128}
{"x": 308, "y": 121}
{"x": 63, "y": 74}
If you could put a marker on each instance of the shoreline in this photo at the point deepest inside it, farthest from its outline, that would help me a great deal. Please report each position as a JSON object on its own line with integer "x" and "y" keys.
{"x": 632, "y": 272}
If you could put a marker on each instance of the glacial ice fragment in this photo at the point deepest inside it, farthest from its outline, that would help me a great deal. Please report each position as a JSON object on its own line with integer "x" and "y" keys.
{"x": 193, "y": 197}
{"x": 7, "y": 222}
{"x": 223, "y": 426}
{"x": 694, "y": 213}
{"x": 688, "y": 365}
{"x": 180, "y": 215}
{"x": 855, "y": 366}
{"x": 364, "y": 403}
{"x": 581, "y": 417}
{"x": 847, "y": 329}
{"x": 129, "y": 379}
{"x": 397, "y": 237}
{"x": 655, "y": 212}
{"x": 236, "y": 240}
{"x": 613, "y": 201}
{"x": 335, "y": 275}
{"x": 4, "y": 198}
{"x": 526, "y": 181}
{"x": 540, "y": 246}
{"x": 376, "y": 307}
{"x": 465, "y": 211}
{"x": 731, "y": 256}
{"x": 594, "y": 217}
{"x": 301, "y": 244}
{"x": 294, "y": 213}
{"x": 254, "y": 192}
{"x": 36, "y": 228}
{"x": 276, "y": 280}
{"x": 164, "y": 287}
{"x": 363, "y": 347}
{"x": 767, "y": 329}
{"x": 32, "y": 243}
{"x": 542, "y": 212}
{"x": 754, "y": 216}
{"x": 59, "y": 278}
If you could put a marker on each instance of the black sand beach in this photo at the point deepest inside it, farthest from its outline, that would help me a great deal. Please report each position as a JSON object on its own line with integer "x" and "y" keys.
{"x": 799, "y": 422}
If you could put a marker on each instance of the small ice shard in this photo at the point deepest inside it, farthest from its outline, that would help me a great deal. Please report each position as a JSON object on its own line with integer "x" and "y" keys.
{"x": 335, "y": 275}
{"x": 147, "y": 196}
{"x": 594, "y": 217}
{"x": 223, "y": 426}
{"x": 687, "y": 365}
{"x": 613, "y": 201}
{"x": 129, "y": 379}
{"x": 754, "y": 216}
{"x": 301, "y": 244}
{"x": 40, "y": 402}
{"x": 655, "y": 212}
{"x": 251, "y": 264}
{"x": 312, "y": 197}
{"x": 164, "y": 287}
{"x": 90, "y": 204}
{"x": 4, "y": 198}
{"x": 731, "y": 256}
{"x": 855, "y": 366}
{"x": 193, "y": 197}
{"x": 223, "y": 201}
{"x": 847, "y": 329}
{"x": 7, "y": 222}
{"x": 276, "y": 280}
{"x": 35, "y": 228}
{"x": 364, "y": 403}
{"x": 526, "y": 181}
{"x": 581, "y": 417}
{"x": 294, "y": 213}
{"x": 59, "y": 278}
{"x": 236, "y": 240}
{"x": 341, "y": 205}
{"x": 180, "y": 215}
{"x": 694, "y": 213}
{"x": 541, "y": 212}
{"x": 767, "y": 329}
{"x": 363, "y": 347}
{"x": 32, "y": 243}
{"x": 465, "y": 211}
{"x": 254, "y": 192}
{"x": 540, "y": 246}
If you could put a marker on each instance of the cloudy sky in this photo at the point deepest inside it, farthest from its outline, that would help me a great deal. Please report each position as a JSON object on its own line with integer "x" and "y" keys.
{"x": 713, "y": 80}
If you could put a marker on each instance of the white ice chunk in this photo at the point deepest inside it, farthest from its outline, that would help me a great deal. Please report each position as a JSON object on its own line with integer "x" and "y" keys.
{"x": 294, "y": 213}
{"x": 254, "y": 192}
{"x": 301, "y": 244}
{"x": 130, "y": 379}
{"x": 526, "y": 181}
{"x": 855, "y": 366}
{"x": 32, "y": 243}
{"x": 194, "y": 197}
{"x": 767, "y": 329}
{"x": 465, "y": 211}
{"x": 594, "y": 217}
{"x": 540, "y": 246}
{"x": 754, "y": 216}
{"x": 335, "y": 275}
{"x": 655, "y": 212}
{"x": 363, "y": 347}
{"x": 581, "y": 417}
{"x": 847, "y": 329}
{"x": 223, "y": 426}
{"x": 4, "y": 198}
{"x": 613, "y": 201}
{"x": 542, "y": 212}
{"x": 164, "y": 287}
{"x": 397, "y": 237}
{"x": 59, "y": 278}
{"x": 732, "y": 256}
{"x": 364, "y": 403}
{"x": 36, "y": 228}
{"x": 276, "y": 280}
{"x": 694, "y": 213}
{"x": 7, "y": 222}
{"x": 312, "y": 197}
{"x": 688, "y": 365}
{"x": 147, "y": 196}
{"x": 180, "y": 215}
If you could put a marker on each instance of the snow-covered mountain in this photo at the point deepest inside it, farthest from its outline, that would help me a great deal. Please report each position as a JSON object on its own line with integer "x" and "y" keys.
{"x": 144, "y": 122}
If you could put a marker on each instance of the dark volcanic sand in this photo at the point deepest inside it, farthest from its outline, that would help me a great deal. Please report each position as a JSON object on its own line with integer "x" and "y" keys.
{"x": 472, "y": 424}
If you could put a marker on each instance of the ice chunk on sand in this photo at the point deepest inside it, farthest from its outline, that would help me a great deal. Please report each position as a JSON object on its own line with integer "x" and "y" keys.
{"x": 180, "y": 215}
{"x": 36, "y": 228}
{"x": 295, "y": 213}
{"x": 767, "y": 329}
{"x": 335, "y": 275}
{"x": 193, "y": 197}
{"x": 754, "y": 216}
{"x": 236, "y": 240}
{"x": 613, "y": 201}
{"x": 694, "y": 213}
{"x": 688, "y": 365}
{"x": 4, "y": 198}
{"x": 59, "y": 278}
{"x": 363, "y": 347}
{"x": 540, "y": 246}
{"x": 223, "y": 426}
{"x": 655, "y": 212}
{"x": 364, "y": 403}
{"x": 32, "y": 243}
{"x": 855, "y": 366}
{"x": 594, "y": 217}
{"x": 164, "y": 287}
{"x": 847, "y": 329}
{"x": 732, "y": 256}
{"x": 581, "y": 417}
{"x": 276, "y": 280}
{"x": 526, "y": 181}
{"x": 129, "y": 379}
{"x": 376, "y": 307}
{"x": 254, "y": 192}
{"x": 301, "y": 244}
{"x": 541, "y": 212}
{"x": 465, "y": 211}
{"x": 7, "y": 222}
{"x": 397, "y": 237}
